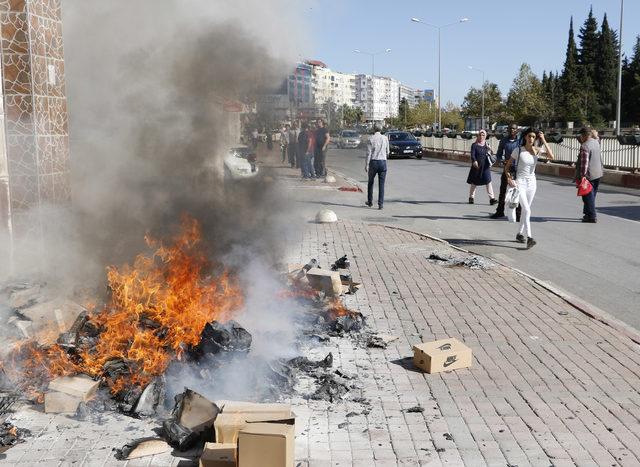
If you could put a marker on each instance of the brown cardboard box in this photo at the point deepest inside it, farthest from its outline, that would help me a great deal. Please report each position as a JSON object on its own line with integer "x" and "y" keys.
{"x": 326, "y": 281}
{"x": 227, "y": 407}
{"x": 442, "y": 355}
{"x": 228, "y": 425}
{"x": 59, "y": 402}
{"x": 219, "y": 455}
{"x": 81, "y": 386}
{"x": 266, "y": 445}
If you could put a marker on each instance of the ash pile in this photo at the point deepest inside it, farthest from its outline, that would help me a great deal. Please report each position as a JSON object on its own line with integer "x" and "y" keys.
{"x": 468, "y": 261}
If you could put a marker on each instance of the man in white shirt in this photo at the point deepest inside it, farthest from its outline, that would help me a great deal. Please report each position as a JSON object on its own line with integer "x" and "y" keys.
{"x": 376, "y": 164}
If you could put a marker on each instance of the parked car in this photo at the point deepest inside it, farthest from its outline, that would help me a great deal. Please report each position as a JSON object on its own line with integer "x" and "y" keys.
{"x": 349, "y": 139}
{"x": 403, "y": 143}
{"x": 240, "y": 163}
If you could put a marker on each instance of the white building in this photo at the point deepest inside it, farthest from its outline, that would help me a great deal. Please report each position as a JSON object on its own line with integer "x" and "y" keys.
{"x": 409, "y": 94}
{"x": 333, "y": 86}
{"x": 379, "y": 97}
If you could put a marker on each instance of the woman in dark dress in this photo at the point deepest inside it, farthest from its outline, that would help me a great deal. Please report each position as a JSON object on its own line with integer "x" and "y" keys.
{"x": 480, "y": 172}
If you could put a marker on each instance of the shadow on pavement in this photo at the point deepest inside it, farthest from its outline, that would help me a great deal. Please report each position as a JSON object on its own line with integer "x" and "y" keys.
{"x": 626, "y": 212}
{"x": 459, "y": 218}
{"x": 407, "y": 364}
{"x": 325, "y": 203}
{"x": 423, "y": 202}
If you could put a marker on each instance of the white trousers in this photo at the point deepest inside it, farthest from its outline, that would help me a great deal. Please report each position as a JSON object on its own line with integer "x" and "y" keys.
{"x": 527, "y": 189}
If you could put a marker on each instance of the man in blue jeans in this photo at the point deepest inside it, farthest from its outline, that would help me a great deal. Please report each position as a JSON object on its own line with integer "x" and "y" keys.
{"x": 589, "y": 165}
{"x": 376, "y": 164}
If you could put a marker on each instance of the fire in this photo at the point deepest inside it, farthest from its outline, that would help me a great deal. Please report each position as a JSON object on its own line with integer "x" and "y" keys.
{"x": 157, "y": 309}
{"x": 337, "y": 309}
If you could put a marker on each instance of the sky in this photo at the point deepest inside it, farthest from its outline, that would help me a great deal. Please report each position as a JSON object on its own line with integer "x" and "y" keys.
{"x": 499, "y": 36}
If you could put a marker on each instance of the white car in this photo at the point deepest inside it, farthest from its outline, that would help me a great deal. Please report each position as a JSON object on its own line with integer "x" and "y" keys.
{"x": 240, "y": 163}
{"x": 349, "y": 139}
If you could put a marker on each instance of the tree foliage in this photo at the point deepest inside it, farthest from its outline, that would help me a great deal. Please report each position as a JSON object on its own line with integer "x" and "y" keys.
{"x": 494, "y": 108}
{"x": 526, "y": 99}
{"x": 631, "y": 87}
{"x": 351, "y": 115}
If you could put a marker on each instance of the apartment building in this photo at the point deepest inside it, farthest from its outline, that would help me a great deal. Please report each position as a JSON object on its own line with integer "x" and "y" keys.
{"x": 378, "y": 97}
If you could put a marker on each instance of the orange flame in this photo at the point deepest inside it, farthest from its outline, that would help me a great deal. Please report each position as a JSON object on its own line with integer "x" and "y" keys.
{"x": 166, "y": 288}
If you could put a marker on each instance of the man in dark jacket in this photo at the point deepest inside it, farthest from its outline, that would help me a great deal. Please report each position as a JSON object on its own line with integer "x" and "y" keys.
{"x": 589, "y": 165}
{"x": 506, "y": 147}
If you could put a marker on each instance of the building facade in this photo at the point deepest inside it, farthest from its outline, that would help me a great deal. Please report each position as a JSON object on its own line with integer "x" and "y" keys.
{"x": 34, "y": 139}
{"x": 378, "y": 97}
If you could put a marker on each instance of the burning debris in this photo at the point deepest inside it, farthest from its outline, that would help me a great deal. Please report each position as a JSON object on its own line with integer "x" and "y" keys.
{"x": 471, "y": 262}
{"x": 191, "y": 421}
{"x": 217, "y": 337}
{"x": 11, "y": 435}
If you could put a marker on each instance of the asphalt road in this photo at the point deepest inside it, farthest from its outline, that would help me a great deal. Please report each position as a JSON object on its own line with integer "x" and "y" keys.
{"x": 599, "y": 263}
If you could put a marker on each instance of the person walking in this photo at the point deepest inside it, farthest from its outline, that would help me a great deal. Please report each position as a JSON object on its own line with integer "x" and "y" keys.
{"x": 506, "y": 146}
{"x": 480, "y": 172}
{"x": 589, "y": 165}
{"x": 322, "y": 141}
{"x": 525, "y": 159}
{"x": 376, "y": 164}
{"x": 284, "y": 142}
{"x": 292, "y": 148}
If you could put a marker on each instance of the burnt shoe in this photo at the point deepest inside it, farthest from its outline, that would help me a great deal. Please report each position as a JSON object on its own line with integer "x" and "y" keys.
{"x": 493, "y": 201}
{"x": 497, "y": 215}
{"x": 471, "y": 201}
{"x": 520, "y": 238}
{"x": 530, "y": 243}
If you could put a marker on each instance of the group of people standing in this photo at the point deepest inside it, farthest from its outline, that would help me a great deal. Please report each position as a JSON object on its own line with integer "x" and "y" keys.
{"x": 519, "y": 154}
{"x": 306, "y": 148}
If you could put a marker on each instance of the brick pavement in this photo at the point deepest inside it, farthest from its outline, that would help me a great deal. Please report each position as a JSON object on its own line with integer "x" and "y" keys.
{"x": 548, "y": 385}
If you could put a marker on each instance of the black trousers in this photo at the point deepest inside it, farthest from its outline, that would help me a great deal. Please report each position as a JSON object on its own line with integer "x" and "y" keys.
{"x": 504, "y": 183}
{"x": 319, "y": 162}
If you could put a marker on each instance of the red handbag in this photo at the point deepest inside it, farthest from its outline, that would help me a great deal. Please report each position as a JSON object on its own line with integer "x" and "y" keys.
{"x": 584, "y": 187}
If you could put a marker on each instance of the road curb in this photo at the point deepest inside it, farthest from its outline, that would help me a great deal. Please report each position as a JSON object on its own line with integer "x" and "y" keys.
{"x": 585, "y": 308}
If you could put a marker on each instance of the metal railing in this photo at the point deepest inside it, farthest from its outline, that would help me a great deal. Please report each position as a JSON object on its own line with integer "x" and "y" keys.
{"x": 614, "y": 154}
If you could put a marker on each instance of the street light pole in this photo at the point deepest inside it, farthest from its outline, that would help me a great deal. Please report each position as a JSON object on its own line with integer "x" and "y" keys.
{"x": 619, "y": 104}
{"x": 439, "y": 28}
{"x": 483, "y": 81}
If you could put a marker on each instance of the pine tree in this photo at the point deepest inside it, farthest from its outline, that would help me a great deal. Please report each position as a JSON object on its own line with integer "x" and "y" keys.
{"x": 588, "y": 58}
{"x": 607, "y": 71}
{"x": 526, "y": 100}
{"x": 570, "y": 81}
{"x": 631, "y": 88}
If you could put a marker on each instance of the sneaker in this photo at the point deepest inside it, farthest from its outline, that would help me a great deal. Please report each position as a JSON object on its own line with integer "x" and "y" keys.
{"x": 497, "y": 215}
{"x": 589, "y": 220}
{"x": 471, "y": 201}
{"x": 368, "y": 204}
{"x": 493, "y": 201}
{"x": 530, "y": 243}
{"x": 520, "y": 238}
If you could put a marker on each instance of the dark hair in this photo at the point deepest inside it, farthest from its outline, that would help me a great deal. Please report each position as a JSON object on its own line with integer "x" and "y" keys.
{"x": 585, "y": 131}
{"x": 377, "y": 128}
{"x": 525, "y": 132}
{"x": 304, "y": 126}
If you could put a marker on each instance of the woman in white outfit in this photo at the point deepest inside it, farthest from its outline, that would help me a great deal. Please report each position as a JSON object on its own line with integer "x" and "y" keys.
{"x": 526, "y": 157}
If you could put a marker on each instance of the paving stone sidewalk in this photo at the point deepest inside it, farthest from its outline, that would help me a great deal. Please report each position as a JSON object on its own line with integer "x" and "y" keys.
{"x": 548, "y": 385}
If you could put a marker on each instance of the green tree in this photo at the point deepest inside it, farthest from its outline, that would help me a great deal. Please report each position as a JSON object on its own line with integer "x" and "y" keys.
{"x": 494, "y": 109}
{"x": 452, "y": 117}
{"x": 351, "y": 115}
{"x": 423, "y": 114}
{"x": 607, "y": 71}
{"x": 553, "y": 94}
{"x": 631, "y": 87}
{"x": 570, "y": 81}
{"x": 526, "y": 98}
{"x": 588, "y": 59}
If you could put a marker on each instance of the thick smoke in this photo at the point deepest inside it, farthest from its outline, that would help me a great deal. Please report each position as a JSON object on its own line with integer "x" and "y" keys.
{"x": 146, "y": 83}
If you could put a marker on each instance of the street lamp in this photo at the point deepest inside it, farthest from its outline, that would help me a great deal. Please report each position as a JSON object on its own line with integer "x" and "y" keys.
{"x": 373, "y": 70}
{"x": 483, "y": 81}
{"x": 619, "y": 104}
{"x": 439, "y": 28}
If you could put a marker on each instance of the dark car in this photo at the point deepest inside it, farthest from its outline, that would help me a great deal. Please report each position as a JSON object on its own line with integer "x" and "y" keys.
{"x": 403, "y": 143}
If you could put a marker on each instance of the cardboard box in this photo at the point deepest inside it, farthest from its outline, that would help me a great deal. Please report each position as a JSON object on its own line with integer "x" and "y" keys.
{"x": 443, "y": 355}
{"x": 266, "y": 445}
{"x": 227, "y": 406}
{"x": 325, "y": 281}
{"x": 219, "y": 455}
{"x": 228, "y": 425}
{"x": 59, "y": 402}
{"x": 80, "y": 386}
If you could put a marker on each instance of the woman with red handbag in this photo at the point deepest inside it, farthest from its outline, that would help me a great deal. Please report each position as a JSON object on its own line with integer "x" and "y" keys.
{"x": 588, "y": 171}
